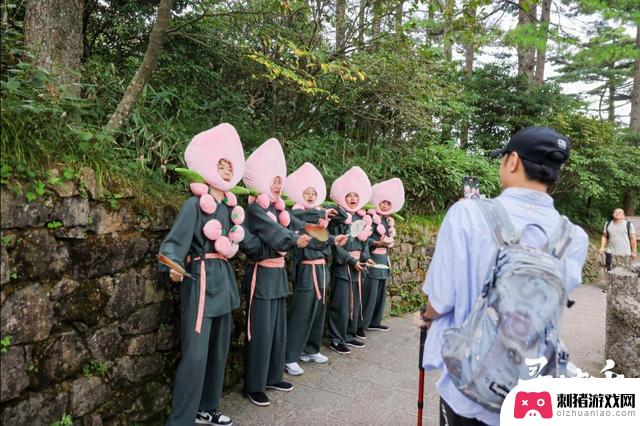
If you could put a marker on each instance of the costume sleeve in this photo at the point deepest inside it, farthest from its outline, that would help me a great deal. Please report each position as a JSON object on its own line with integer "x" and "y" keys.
{"x": 178, "y": 242}
{"x": 269, "y": 232}
{"x": 366, "y": 254}
{"x": 447, "y": 275}
{"x": 250, "y": 245}
{"x": 342, "y": 257}
{"x": 297, "y": 222}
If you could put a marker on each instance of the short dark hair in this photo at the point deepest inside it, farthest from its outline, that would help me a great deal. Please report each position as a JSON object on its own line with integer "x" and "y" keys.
{"x": 540, "y": 172}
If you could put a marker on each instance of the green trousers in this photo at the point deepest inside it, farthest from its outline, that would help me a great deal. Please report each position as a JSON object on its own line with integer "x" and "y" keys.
{"x": 200, "y": 374}
{"x": 374, "y": 295}
{"x": 344, "y": 310}
{"x": 264, "y": 353}
{"x": 305, "y": 325}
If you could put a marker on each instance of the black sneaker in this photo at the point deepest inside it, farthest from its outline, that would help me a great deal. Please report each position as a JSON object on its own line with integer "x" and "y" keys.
{"x": 282, "y": 386}
{"x": 378, "y": 327}
{"x": 258, "y": 398}
{"x": 340, "y": 348}
{"x": 355, "y": 343}
{"x": 360, "y": 335}
{"x": 212, "y": 417}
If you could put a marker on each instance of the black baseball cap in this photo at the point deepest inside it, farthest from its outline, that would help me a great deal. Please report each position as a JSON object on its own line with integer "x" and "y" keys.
{"x": 536, "y": 144}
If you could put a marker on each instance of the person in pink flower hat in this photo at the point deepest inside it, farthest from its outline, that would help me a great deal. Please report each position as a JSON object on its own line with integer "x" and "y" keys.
{"x": 207, "y": 232}
{"x": 305, "y": 323}
{"x": 265, "y": 282}
{"x": 351, "y": 192}
{"x": 388, "y": 198}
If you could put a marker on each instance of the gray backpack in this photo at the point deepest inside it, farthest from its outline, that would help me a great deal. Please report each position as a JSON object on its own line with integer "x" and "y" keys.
{"x": 514, "y": 323}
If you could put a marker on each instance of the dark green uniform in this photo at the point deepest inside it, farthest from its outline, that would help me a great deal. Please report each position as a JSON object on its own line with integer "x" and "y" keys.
{"x": 264, "y": 353}
{"x": 200, "y": 375}
{"x": 305, "y": 323}
{"x": 344, "y": 306}
{"x": 375, "y": 290}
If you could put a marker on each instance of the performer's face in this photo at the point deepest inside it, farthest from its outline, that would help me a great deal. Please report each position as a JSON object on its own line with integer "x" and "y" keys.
{"x": 310, "y": 195}
{"x": 385, "y": 206}
{"x": 276, "y": 186}
{"x": 225, "y": 170}
{"x": 352, "y": 199}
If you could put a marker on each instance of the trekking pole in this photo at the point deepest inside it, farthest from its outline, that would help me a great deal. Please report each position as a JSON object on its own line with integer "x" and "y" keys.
{"x": 423, "y": 337}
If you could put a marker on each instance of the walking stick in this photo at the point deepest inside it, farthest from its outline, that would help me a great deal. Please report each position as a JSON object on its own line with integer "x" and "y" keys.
{"x": 423, "y": 337}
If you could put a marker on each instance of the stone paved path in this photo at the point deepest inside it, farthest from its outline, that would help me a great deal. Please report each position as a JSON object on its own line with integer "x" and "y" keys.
{"x": 377, "y": 385}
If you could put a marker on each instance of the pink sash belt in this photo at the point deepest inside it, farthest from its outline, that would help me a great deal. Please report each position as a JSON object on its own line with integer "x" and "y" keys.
{"x": 203, "y": 285}
{"x": 277, "y": 262}
{"x": 315, "y": 262}
{"x": 379, "y": 250}
{"x": 356, "y": 255}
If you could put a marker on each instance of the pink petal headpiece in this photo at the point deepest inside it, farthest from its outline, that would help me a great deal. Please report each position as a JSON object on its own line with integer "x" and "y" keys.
{"x": 207, "y": 148}
{"x": 354, "y": 180}
{"x": 263, "y": 165}
{"x": 390, "y": 190}
{"x": 307, "y": 176}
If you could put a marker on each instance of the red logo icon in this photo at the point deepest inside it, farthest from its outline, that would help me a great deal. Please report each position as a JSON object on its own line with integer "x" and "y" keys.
{"x": 533, "y": 404}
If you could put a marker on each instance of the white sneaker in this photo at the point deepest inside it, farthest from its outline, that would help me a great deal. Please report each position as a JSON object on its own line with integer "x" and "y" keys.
{"x": 293, "y": 369}
{"x": 319, "y": 358}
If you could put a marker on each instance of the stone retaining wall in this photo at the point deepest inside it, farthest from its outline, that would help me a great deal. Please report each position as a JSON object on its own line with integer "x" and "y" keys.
{"x": 623, "y": 316}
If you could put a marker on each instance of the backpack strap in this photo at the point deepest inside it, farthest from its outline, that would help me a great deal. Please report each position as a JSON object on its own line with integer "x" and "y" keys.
{"x": 560, "y": 238}
{"x": 606, "y": 228}
{"x": 629, "y": 230}
{"x": 498, "y": 220}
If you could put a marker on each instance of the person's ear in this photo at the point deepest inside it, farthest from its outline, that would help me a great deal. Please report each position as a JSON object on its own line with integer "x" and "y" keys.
{"x": 513, "y": 162}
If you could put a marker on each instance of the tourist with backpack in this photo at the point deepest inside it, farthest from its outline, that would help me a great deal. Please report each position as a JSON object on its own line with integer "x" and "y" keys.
{"x": 502, "y": 269}
{"x": 618, "y": 238}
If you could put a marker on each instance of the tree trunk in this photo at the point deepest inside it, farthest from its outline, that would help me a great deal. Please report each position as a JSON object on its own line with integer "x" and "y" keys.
{"x": 53, "y": 33}
{"x": 146, "y": 68}
{"x": 634, "y": 121}
{"x": 377, "y": 18}
{"x": 399, "y": 18}
{"x": 629, "y": 202}
{"x": 431, "y": 14}
{"x": 526, "y": 54}
{"x": 611, "y": 106}
{"x": 361, "y": 21}
{"x": 545, "y": 15}
{"x": 341, "y": 6}
{"x": 448, "y": 12}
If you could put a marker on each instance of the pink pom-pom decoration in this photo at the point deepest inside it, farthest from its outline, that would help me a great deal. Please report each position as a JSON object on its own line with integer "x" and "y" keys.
{"x": 237, "y": 215}
{"x": 284, "y": 218}
{"x": 230, "y": 199}
{"x": 367, "y": 219}
{"x": 371, "y": 211}
{"x": 198, "y": 189}
{"x": 280, "y": 205}
{"x": 376, "y": 219}
{"x": 207, "y": 204}
{"x": 386, "y": 239}
{"x": 297, "y": 207}
{"x": 361, "y": 212}
{"x": 272, "y": 216}
{"x": 381, "y": 229}
{"x": 251, "y": 199}
{"x": 349, "y": 219}
{"x": 233, "y": 251}
{"x": 324, "y": 222}
{"x": 363, "y": 235}
{"x": 263, "y": 201}
{"x": 223, "y": 246}
{"x": 236, "y": 234}
{"x": 392, "y": 232}
{"x": 391, "y": 222}
{"x": 212, "y": 229}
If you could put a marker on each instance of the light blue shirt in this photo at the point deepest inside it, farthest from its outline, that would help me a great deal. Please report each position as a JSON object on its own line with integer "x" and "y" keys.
{"x": 465, "y": 250}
